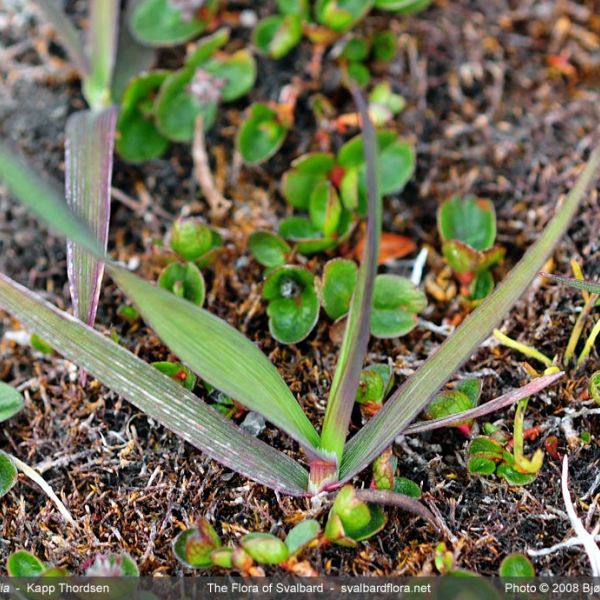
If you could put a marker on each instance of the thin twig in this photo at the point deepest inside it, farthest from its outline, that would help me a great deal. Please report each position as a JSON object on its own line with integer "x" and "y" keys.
{"x": 219, "y": 205}
{"x": 398, "y": 500}
{"x": 37, "y": 478}
{"x": 574, "y": 541}
{"x": 585, "y": 538}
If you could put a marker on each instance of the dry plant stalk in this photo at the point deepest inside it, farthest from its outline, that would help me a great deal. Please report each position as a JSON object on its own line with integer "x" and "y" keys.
{"x": 219, "y": 205}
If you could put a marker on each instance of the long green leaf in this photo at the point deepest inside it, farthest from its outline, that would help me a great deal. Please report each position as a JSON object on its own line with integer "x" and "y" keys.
{"x": 68, "y": 35}
{"x": 219, "y": 354}
{"x": 154, "y": 393}
{"x": 356, "y": 338}
{"x": 580, "y": 284}
{"x": 213, "y": 349}
{"x": 88, "y": 171}
{"x": 411, "y": 397}
{"x": 101, "y": 50}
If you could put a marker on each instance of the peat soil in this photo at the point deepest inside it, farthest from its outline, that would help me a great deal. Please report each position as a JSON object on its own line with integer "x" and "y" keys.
{"x": 503, "y": 99}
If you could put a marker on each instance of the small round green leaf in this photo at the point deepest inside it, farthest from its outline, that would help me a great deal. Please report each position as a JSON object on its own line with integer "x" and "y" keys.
{"x": 325, "y": 208}
{"x": 481, "y": 466}
{"x": 293, "y": 308}
{"x": 395, "y": 166}
{"x": 193, "y": 547}
{"x": 485, "y": 447}
{"x": 8, "y": 473}
{"x": 448, "y": 403}
{"x": 238, "y": 72}
{"x": 385, "y": 45}
{"x": 276, "y": 35}
{"x": 356, "y": 49}
{"x": 191, "y": 239}
{"x": 339, "y": 281}
{"x": 185, "y": 281}
{"x": 264, "y": 548}
{"x": 268, "y": 248}
{"x": 516, "y": 565}
{"x": 178, "y": 373}
{"x": 176, "y": 109}
{"x": 468, "y": 220}
{"x": 514, "y": 477}
{"x": 39, "y": 344}
{"x": 482, "y": 286}
{"x": 371, "y": 388}
{"x": 307, "y": 171}
{"x": 260, "y": 135}
{"x": 402, "y": 6}
{"x": 359, "y": 73}
{"x": 206, "y": 47}
{"x": 223, "y": 557}
{"x": 471, "y": 388}
{"x": 294, "y": 7}
{"x": 306, "y": 235}
{"x": 301, "y": 535}
{"x": 11, "y": 401}
{"x": 341, "y": 15}
{"x": 138, "y": 139}
{"x": 159, "y": 23}
{"x": 24, "y": 564}
{"x": 461, "y": 257}
{"x": 396, "y": 301}
{"x": 407, "y": 487}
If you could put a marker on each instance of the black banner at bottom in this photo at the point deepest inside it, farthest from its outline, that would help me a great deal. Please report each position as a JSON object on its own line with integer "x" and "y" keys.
{"x": 320, "y": 588}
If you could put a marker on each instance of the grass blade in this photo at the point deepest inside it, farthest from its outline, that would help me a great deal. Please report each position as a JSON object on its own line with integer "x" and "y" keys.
{"x": 154, "y": 393}
{"x": 589, "y": 286}
{"x": 212, "y": 348}
{"x": 533, "y": 387}
{"x": 68, "y": 36}
{"x": 88, "y": 172}
{"x": 219, "y": 354}
{"x": 102, "y": 49}
{"x": 412, "y": 396}
{"x": 132, "y": 57}
{"x": 356, "y": 338}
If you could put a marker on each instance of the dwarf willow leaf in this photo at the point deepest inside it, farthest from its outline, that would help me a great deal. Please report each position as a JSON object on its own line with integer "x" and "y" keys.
{"x": 11, "y": 401}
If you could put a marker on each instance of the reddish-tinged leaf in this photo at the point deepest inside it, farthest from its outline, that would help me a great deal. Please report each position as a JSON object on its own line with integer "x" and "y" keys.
{"x": 391, "y": 247}
{"x": 88, "y": 172}
{"x": 534, "y": 387}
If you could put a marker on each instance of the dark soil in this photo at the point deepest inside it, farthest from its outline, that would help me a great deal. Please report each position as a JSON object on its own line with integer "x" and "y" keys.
{"x": 489, "y": 115}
